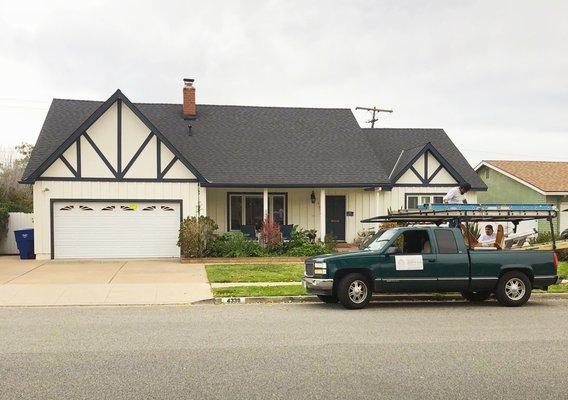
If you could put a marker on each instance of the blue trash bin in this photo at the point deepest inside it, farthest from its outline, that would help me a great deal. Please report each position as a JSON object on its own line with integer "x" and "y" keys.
{"x": 25, "y": 242}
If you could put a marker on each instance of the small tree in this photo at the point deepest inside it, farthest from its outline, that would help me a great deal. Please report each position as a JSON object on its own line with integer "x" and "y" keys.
{"x": 194, "y": 235}
{"x": 270, "y": 235}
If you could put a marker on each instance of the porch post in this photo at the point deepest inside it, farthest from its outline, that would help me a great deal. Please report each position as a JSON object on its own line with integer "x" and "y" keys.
{"x": 322, "y": 214}
{"x": 378, "y": 203}
{"x": 265, "y": 204}
{"x": 201, "y": 200}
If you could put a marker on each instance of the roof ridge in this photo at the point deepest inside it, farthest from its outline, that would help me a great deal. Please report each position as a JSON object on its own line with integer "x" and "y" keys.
{"x": 217, "y": 105}
{"x": 403, "y": 129}
{"x": 526, "y": 161}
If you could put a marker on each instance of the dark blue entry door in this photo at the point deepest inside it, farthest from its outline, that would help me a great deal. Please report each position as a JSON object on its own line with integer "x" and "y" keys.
{"x": 335, "y": 216}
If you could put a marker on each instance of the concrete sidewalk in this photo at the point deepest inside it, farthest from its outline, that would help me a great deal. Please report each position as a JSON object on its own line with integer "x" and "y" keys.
{"x": 52, "y": 283}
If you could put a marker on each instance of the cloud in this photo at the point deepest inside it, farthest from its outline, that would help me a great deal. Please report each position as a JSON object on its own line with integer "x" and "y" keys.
{"x": 491, "y": 73}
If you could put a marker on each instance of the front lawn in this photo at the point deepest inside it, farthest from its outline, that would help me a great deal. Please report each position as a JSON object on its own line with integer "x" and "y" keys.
{"x": 260, "y": 291}
{"x": 255, "y": 272}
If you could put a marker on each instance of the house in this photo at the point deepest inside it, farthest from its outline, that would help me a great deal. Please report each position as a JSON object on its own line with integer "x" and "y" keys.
{"x": 527, "y": 182}
{"x": 114, "y": 178}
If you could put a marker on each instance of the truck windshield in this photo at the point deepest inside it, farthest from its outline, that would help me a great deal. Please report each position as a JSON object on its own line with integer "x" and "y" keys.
{"x": 380, "y": 240}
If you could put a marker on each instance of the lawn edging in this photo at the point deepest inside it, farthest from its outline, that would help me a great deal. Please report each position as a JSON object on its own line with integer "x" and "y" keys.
{"x": 243, "y": 260}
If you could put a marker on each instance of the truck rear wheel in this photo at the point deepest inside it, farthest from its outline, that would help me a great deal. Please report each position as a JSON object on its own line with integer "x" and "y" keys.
{"x": 354, "y": 291}
{"x": 327, "y": 298}
{"x": 513, "y": 289}
{"x": 476, "y": 297}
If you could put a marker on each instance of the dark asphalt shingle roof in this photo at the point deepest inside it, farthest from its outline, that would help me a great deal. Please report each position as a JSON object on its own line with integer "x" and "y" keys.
{"x": 244, "y": 145}
{"x": 388, "y": 143}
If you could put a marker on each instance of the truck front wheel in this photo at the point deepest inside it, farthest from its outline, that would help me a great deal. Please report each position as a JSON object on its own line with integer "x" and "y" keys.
{"x": 354, "y": 291}
{"x": 513, "y": 289}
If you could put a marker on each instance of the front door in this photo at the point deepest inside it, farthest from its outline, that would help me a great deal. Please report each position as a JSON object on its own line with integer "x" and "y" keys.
{"x": 335, "y": 217}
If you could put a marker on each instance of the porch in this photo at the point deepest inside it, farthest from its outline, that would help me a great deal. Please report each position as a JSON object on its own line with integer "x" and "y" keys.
{"x": 334, "y": 211}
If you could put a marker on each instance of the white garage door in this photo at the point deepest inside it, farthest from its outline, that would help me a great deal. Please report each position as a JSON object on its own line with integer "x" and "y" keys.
{"x": 115, "y": 229}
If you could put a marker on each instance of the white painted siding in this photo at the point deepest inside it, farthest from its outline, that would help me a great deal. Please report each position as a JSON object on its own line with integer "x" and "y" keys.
{"x": 46, "y": 190}
{"x": 17, "y": 221}
{"x": 301, "y": 211}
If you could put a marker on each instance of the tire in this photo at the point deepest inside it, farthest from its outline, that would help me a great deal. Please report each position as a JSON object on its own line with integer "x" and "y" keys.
{"x": 476, "y": 297}
{"x": 354, "y": 291}
{"x": 327, "y": 298}
{"x": 513, "y": 289}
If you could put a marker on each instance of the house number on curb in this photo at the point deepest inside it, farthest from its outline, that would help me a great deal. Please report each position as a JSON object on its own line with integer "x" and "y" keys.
{"x": 233, "y": 300}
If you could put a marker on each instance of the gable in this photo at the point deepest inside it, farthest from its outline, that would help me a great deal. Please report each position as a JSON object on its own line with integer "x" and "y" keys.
{"x": 426, "y": 168}
{"x": 118, "y": 145}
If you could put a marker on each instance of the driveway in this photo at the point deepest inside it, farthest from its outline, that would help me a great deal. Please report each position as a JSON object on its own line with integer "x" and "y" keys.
{"x": 46, "y": 283}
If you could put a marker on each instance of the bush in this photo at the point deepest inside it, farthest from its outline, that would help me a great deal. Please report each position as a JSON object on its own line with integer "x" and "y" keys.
{"x": 303, "y": 244}
{"x": 308, "y": 250}
{"x": 195, "y": 235}
{"x": 4, "y": 217}
{"x": 363, "y": 236}
{"x": 562, "y": 254}
{"x": 543, "y": 237}
{"x": 235, "y": 244}
{"x": 270, "y": 235}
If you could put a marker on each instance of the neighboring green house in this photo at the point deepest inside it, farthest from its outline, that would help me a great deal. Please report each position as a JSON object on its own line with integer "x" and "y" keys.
{"x": 525, "y": 182}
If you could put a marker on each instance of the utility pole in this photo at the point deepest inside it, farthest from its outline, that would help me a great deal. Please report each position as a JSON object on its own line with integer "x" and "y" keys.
{"x": 374, "y": 110}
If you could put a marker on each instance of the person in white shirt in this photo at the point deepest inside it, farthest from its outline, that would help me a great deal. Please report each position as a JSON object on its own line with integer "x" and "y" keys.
{"x": 487, "y": 239}
{"x": 456, "y": 195}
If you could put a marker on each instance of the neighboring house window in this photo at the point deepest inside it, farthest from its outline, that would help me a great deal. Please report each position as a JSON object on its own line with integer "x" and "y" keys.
{"x": 246, "y": 209}
{"x": 416, "y": 200}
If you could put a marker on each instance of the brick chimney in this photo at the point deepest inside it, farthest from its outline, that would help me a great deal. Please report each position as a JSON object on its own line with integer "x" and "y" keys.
{"x": 189, "y": 109}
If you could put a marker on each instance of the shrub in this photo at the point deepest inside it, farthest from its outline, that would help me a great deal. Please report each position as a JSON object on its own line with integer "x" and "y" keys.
{"x": 270, "y": 236}
{"x": 363, "y": 236}
{"x": 308, "y": 250}
{"x": 4, "y": 217}
{"x": 195, "y": 234}
{"x": 562, "y": 254}
{"x": 543, "y": 237}
{"x": 235, "y": 244}
{"x": 303, "y": 244}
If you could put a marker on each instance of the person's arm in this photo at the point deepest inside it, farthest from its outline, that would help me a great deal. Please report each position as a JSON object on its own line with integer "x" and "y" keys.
{"x": 448, "y": 196}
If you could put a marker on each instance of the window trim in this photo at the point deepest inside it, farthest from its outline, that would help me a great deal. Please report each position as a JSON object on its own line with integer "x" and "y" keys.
{"x": 243, "y": 205}
{"x": 432, "y": 195}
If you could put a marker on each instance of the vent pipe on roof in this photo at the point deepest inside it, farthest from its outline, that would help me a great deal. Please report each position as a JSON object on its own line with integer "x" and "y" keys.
{"x": 189, "y": 108}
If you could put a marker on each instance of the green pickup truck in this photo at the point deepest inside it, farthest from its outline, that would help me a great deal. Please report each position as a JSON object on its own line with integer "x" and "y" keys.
{"x": 429, "y": 259}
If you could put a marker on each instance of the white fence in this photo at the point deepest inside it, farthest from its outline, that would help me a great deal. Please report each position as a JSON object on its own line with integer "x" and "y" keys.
{"x": 18, "y": 220}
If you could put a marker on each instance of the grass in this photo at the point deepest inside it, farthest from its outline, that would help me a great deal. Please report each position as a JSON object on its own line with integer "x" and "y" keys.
{"x": 253, "y": 291}
{"x": 255, "y": 272}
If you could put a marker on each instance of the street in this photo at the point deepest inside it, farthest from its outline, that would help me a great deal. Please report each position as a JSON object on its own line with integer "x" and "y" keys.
{"x": 316, "y": 351}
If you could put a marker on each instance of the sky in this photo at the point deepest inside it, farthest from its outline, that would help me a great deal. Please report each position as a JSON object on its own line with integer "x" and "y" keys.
{"x": 493, "y": 74}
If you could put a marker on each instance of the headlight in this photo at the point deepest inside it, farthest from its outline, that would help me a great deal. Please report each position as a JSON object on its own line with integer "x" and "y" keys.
{"x": 320, "y": 268}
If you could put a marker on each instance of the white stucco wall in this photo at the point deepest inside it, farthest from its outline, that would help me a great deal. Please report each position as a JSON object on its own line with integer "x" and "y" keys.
{"x": 46, "y": 190}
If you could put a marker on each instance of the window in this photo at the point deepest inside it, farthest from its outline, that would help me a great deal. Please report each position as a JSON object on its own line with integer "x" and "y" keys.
{"x": 446, "y": 241}
{"x": 247, "y": 209}
{"x": 413, "y": 242}
{"x": 415, "y": 200}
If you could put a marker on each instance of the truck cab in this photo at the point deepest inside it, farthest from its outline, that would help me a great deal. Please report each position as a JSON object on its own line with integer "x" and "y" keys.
{"x": 429, "y": 259}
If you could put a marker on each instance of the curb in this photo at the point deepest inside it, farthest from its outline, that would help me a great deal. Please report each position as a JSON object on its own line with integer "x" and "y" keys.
{"x": 385, "y": 298}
